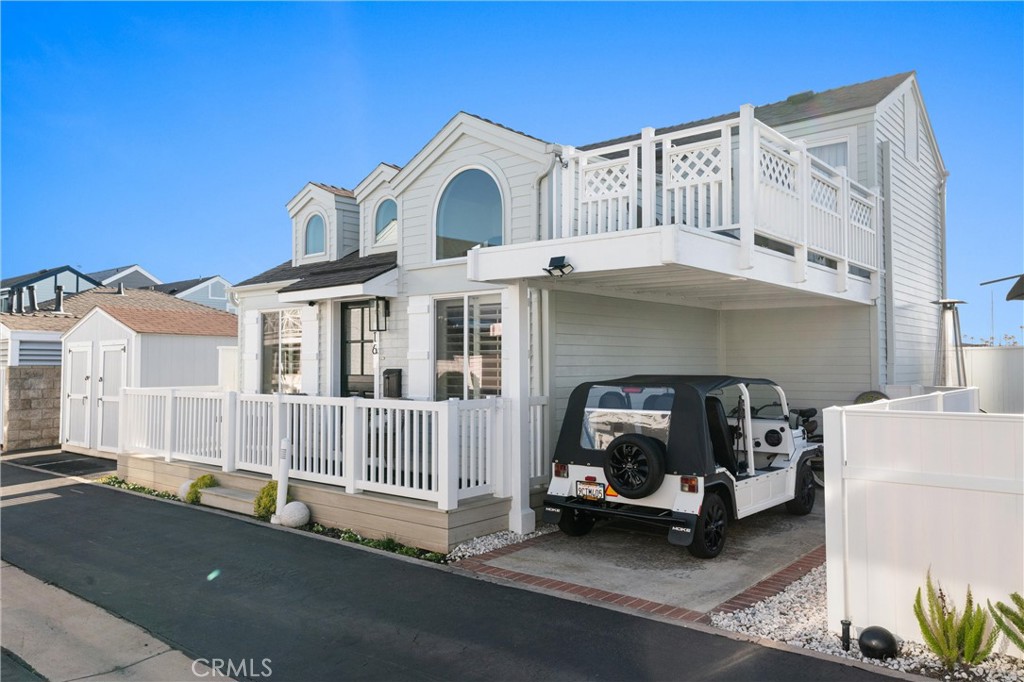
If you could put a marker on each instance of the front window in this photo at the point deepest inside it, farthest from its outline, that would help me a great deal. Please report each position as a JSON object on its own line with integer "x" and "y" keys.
{"x": 612, "y": 411}
{"x": 468, "y": 214}
{"x": 468, "y": 336}
{"x": 282, "y": 348}
{"x": 314, "y": 235}
{"x": 386, "y": 223}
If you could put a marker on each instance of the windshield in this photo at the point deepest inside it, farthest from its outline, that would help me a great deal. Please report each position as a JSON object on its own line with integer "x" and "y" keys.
{"x": 614, "y": 410}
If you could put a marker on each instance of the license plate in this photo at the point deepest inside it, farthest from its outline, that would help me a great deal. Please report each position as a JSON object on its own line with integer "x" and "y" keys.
{"x": 593, "y": 492}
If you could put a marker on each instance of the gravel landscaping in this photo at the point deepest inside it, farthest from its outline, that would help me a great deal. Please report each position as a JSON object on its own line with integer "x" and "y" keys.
{"x": 797, "y": 616}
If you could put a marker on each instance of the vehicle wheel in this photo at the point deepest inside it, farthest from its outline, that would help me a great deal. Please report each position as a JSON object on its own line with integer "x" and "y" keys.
{"x": 634, "y": 465}
{"x": 817, "y": 465}
{"x": 709, "y": 535}
{"x": 803, "y": 497}
{"x": 575, "y": 522}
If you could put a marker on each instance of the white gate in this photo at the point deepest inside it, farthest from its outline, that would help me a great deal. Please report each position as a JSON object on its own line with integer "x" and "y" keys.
{"x": 77, "y": 400}
{"x": 112, "y": 370}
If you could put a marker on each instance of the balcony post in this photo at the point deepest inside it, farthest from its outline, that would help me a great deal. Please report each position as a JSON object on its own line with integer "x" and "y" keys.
{"x": 748, "y": 180}
{"x": 353, "y": 422}
{"x": 727, "y": 217}
{"x": 169, "y": 419}
{"x": 647, "y": 177}
{"x": 568, "y": 192}
{"x": 229, "y": 415}
{"x": 843, "y": 264}
{"x": 277, "y": 426}
{"x": 803, "y": 164}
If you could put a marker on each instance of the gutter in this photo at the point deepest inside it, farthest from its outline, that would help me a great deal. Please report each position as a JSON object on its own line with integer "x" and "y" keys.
{"x": 555, "y": 154}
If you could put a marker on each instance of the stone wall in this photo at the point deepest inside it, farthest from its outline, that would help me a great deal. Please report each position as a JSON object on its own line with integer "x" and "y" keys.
{"x": 32, "y": 407}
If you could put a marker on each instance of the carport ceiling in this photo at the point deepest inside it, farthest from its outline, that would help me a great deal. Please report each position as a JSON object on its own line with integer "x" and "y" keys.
{"x": 680, "y": 285}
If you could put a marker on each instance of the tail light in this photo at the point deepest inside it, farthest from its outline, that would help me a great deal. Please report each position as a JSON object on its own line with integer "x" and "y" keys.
{"x": 562, "y": 470}
{"x": 688, "y": 484}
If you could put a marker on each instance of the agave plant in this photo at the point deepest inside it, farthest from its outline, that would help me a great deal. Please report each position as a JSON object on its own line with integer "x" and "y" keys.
{"x": 952, "y": 636}
{"x": 1009, "y": 620}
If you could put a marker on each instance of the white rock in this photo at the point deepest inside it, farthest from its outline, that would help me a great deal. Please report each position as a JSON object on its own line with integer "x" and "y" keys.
{"x": 183, "y": 488}
{"x": 293, "y": 515}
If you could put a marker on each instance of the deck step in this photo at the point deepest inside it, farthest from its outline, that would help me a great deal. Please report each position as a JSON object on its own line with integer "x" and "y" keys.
{"x": 229, "y": 499}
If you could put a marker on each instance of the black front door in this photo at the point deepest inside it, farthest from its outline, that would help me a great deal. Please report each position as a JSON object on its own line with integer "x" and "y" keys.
{"x": 356, "y": 350}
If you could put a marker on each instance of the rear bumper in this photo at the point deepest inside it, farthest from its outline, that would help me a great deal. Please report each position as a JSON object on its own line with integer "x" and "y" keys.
{"x": 680, "y": 526}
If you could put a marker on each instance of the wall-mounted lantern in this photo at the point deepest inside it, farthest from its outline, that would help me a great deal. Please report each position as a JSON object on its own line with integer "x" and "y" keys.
{"x": 380, "y": 310}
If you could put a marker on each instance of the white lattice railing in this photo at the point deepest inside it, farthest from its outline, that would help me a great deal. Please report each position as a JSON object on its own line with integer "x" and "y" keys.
{"x": 436, "y": 451}
{"x": 738, "y": 177}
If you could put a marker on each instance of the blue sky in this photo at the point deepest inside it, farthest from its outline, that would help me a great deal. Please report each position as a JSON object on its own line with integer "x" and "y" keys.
{"x": 172, "y": 135}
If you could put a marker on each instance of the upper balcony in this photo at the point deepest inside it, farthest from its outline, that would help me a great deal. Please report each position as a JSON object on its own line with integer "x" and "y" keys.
{"x": 696, "y": 211}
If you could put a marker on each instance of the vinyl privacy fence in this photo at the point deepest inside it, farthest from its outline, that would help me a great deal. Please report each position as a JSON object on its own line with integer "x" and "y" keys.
{"x": 919, "y": 483}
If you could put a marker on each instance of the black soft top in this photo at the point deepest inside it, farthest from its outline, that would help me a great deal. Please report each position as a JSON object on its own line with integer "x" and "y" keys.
{"x": 689, "y": 443}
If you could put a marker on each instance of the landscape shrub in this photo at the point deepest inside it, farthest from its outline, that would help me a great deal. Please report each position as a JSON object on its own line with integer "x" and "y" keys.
{"x": 194, "y": 494}
{"x": 952, "y": 636}
{"x": 265, "y": 504}
{"x": 1010, "y": 620}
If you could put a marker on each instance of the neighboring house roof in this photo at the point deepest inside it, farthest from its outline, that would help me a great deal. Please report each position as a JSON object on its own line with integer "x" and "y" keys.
{"x": 340, "y": 191}
{"x": 349, "y": 270}
{"x": 798, "y": 107}
{"x": 25, "y": 280}
{"x": 142, "y": 310}
{"x": 110, "y": 275}
{"x": 175, "y": 288}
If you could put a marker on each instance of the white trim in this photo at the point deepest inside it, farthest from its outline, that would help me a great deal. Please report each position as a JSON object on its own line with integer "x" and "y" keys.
{"x": 504, "y": 193}
{"x": 385, "y": 284}
{"x": 450, "y": 133}
{"x": 128, "y": 271}
{"x": 847, "y": 135}
{"x": 89, "y": 315}
{"x": 376, "y": 243}
{"x": 380, "y": 175}
{"x": 305, "y": 234}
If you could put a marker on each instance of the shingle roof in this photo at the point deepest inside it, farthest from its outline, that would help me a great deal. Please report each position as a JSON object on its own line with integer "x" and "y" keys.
{"x": 340, "y": 191}
{"x": 175, "y": 288}
{"x": 110, "y": 272}
{"x": 501, "y": 125}
{"x": 41, "y": 274}
{"x": 349, "y": 270}
{"x": 798, "y": 107}
{"x": 142, "y": 310}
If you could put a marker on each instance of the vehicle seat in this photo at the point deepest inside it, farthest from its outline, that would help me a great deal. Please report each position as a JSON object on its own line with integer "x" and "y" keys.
{"x": 661, "y": 402}
{"x": 613, "y": 400}
{"x": 721, "y": 442}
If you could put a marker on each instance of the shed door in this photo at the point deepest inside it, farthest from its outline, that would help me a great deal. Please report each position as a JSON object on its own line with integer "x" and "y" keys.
{"x": 112, "y": 370}
{"x": 77, "y": 401}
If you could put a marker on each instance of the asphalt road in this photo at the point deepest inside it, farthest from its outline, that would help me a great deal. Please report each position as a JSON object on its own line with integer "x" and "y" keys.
{"x": 217, "y": 587}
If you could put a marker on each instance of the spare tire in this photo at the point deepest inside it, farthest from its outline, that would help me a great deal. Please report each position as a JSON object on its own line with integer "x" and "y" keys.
{"x": 634, "y": 465}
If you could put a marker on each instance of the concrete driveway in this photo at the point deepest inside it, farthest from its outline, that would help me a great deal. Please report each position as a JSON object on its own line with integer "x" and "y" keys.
{"x": 634, "y": 565}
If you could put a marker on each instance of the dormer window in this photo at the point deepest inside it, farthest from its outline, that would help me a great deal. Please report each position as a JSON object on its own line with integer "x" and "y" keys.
{"x": 468, "y": 214}
{"x": 314, "y": 235}
{"x": 386, "y": 222}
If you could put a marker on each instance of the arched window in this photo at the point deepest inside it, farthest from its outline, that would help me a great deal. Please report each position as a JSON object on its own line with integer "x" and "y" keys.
{"x": 386, "y": 224}
{"x": 314, "y": 235}
{"x": 468, "y": 214}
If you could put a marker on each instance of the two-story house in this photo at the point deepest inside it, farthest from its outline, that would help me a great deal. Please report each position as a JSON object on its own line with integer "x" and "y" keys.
{"x": 800, "y": 240}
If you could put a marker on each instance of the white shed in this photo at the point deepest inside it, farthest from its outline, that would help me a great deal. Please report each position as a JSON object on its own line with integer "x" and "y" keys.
{"x": 135, "y": 338}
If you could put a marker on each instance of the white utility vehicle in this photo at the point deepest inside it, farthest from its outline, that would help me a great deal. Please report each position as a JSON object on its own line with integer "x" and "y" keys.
{"x": 690, "y": 453}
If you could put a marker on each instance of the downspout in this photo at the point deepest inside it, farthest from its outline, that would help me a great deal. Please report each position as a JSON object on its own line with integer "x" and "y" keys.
{"x": 556, "y": 153}
{"x": 942, "y": 229}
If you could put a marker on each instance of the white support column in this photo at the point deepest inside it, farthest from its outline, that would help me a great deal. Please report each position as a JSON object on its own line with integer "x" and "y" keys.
{"x": 353, "y": 423}
{"x": 277, "y": 429}
{"x": 843, "y": 265}
{"x": 727, "y": 217}
{"x": 647, "y": 184}
{"x": 229, "y": 414}
{"x": 516, "y": 399}
{"x": 748, "y": 182}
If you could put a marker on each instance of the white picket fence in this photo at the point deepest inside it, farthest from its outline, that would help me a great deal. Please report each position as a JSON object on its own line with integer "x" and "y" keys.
{"x": 915, "y": 484}
{"x": 734, "y": 173}
{"x": 435, "y": 451}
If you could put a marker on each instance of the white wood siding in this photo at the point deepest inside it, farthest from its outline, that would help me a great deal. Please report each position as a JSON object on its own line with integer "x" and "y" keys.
{"x": 817, "y": 131}
{"x": 594, "y": 337}
{"x": 169, "y": 360}
{"x": 516, "y": 176}
{"x": 916, "y": 277}
{"x": 820, "y": 356}
{"x": 347, "y": 225}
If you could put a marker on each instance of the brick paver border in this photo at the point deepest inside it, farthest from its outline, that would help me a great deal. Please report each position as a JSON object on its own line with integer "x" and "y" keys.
{"x": 768, "y": 587}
